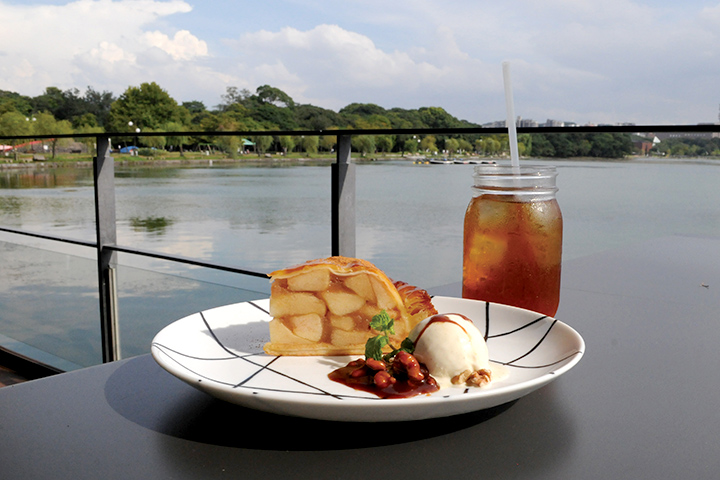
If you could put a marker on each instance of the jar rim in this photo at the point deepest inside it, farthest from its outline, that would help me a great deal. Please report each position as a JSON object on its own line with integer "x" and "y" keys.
{"x": 517, "y": 180}
{"x": 495, "y": 170}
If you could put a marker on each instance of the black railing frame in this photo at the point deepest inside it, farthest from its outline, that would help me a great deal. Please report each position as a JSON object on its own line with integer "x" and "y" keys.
{"x": 342, "y": 198}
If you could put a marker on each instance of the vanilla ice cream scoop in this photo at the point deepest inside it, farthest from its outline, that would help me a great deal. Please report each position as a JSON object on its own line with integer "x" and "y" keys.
{"x": 452, "y": 349}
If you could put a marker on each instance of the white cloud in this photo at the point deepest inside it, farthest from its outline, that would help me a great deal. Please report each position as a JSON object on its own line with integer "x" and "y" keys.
{"x": 581, "y": 60}
{"x": 183, "y": 45}
{"x": 329, "y": 61}
{"x": 109, "y": 53}
{"x": 53, "y": 44}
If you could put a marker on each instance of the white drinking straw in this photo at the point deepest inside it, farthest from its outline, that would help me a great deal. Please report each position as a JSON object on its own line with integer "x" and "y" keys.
{"x": 510, "y": 107}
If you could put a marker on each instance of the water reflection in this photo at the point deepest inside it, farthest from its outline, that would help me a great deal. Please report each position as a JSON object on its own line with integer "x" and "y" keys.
{"x": 147, "y": 172}
{"x": 51, "y": 178}
{"x": 10, "y": 205}
{"x": 152, "y": 225}
{"x": 408, "y": 217}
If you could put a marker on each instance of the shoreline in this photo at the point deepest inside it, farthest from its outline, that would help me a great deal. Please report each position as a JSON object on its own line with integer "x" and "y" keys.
{"x": 204, "y": 161}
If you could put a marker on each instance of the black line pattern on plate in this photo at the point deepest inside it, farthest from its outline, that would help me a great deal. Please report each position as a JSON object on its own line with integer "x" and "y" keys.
{"x": 487, "y": 321}
{"x": 488, "y": 337}
{"x": 246, "y": 358}
{"x": 566, "y": 357}
{"x": 173, "y": 355}
{"x": 511, "y": 363}
{"x": 166, "y": 349}
{"x": 212, "y": 333}
{"x": 536, "y": 345}
{"x": 510, "y": 332}
{"x": 259, "y": 307}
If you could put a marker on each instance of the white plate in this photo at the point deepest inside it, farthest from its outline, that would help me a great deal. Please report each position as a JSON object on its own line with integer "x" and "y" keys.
{"x": 219, "y": 351}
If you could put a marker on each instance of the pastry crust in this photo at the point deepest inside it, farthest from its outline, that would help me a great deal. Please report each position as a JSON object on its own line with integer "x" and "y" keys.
{"x": 324, "y": 307}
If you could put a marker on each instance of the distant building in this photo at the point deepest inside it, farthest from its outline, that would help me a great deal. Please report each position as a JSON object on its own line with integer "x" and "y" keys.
{"x": 644, "y": 142}
{"x": 689, "y": 135}
{"x": 495, "y": 124}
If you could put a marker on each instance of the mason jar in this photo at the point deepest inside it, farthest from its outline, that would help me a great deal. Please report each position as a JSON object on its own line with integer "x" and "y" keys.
{"x": 512, "y": 245}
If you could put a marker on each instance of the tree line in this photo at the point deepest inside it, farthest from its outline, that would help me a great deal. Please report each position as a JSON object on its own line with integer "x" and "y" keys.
{"x": 149, "y": 108}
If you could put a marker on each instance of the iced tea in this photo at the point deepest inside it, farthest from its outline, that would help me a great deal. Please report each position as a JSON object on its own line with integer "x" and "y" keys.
{"x": 512, "y": 251}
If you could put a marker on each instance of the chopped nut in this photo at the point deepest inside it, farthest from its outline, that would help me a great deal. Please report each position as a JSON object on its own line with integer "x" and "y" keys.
{"x": 460, "y": 378}
{"x": 383, "y": 379}
{"x": 478, "y": 378}
{"x": 360, "y": 372}
{"x": 375, "y": 364}
{"x": 406, "y": 362}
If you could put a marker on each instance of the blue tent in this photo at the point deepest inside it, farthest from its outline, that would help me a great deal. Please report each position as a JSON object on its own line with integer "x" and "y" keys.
{"x": 128, "y": 149}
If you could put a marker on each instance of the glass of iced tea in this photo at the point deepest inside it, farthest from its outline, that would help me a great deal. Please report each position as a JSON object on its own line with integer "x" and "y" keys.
{"x": 512, "y": 247}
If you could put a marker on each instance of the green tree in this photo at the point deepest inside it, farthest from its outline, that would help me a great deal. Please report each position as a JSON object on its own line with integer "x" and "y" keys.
{"x": 46, "y": 124}
{"x": 541, "y": 146}
{"x": 452, "y": 145}
{"x": 273, "y": 117}
{"x": 51, "y": 101}
{"x": 232, "y": 96}
{"x": 230, "y": 144}
{"x": 195, "y": 107}
{"x": 262, "y": 143}
{"x": 287, "y": 143}
{"x": 97, "y": 104}
{"x": 362, "y": 110}
{"x": 309, "y": 144}
{"x": 411, "y": 145}
{"x": 491, "y": 145}
{"x": 155, "y": 141}
{"x": 147, "y": 107}
{"x": 365, "y": 144}
{"x": 428, "y": 144}
{"x": 464, "y": 145}
{"x": 14, "y": 102}
{"x": 70, "y": 105}
{"x": 274, "y": 96}
{"x": 610, "y": 145}
{"x": 85, "y": 120}
{"x": 436, "y": 117}
{"x": 524, "y": 144}
{"x": 309, "y": 117}
{"x": 14, "y": 124}
{"x": 327, "y": 142}
{"x": 178, "y": 141}
{"x": 89, "y": 142}
{"x": 385, "y": 143}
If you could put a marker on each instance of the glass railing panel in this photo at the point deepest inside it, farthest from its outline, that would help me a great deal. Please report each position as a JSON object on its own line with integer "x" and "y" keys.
{"x": 49, "y": 306}
{"x": 410, "y": 219}
{"x": 149, "y": 300}
{"x": 410, "y": 216}
{"x": 50, "y": 201}
{"x": 255, "y": 217}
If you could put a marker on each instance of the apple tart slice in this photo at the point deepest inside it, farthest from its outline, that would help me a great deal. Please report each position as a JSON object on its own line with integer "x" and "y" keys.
{"x": 324, "y": 307}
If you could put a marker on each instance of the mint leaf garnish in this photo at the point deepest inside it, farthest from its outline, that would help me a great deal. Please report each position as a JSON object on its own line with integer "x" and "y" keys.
{"x": 374, "y": 346}
{"x": 386, "y": 326}
{"x": 383, "y": 323}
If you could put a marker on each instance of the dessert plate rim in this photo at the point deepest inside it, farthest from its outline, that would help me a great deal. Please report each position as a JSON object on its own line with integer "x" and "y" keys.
{"x": 219, "y": 351}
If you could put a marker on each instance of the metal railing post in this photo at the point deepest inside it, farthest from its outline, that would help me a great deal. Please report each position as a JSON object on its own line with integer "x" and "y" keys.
{"x": 104, "y": 176}
{"x": 343, "y": 200}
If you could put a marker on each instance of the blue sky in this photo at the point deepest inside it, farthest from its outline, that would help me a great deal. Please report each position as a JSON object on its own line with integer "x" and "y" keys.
{"x": 573, "y": 60}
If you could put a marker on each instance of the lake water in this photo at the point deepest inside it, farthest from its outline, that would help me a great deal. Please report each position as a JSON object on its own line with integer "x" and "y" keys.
{"x": 409, "y": 223}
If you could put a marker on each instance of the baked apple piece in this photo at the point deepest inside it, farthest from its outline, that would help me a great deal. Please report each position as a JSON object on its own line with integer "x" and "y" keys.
{"x": 324, "y": 307}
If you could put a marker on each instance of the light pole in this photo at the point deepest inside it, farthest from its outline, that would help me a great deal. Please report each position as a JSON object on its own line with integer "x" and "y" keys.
{"x": 28, "y": 119}
{"x": 137, "y": 130}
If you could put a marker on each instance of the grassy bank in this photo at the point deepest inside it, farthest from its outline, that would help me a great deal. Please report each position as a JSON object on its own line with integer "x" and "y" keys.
{"x": 29, "y": 160}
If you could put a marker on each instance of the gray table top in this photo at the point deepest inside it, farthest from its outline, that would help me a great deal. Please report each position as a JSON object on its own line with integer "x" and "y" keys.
{"x": 640, "y": 404}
